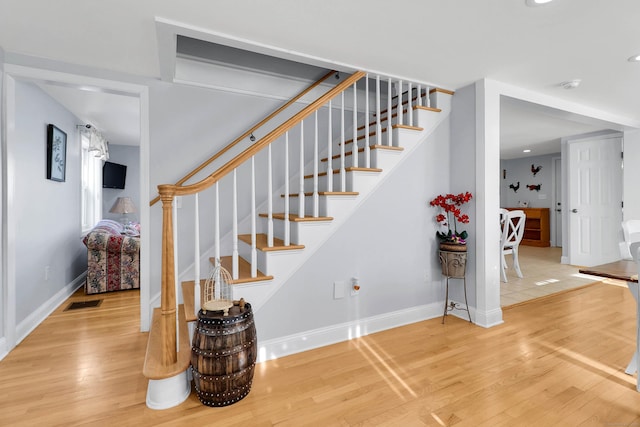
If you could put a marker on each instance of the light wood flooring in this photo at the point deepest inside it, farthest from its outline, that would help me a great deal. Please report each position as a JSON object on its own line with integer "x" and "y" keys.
{"x": 543, "y": 275}
{"x": 554, "y": 362}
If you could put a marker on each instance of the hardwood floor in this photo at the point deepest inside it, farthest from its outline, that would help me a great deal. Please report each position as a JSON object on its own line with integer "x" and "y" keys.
{"x": 543, "y": 275}
{"x": 554, "y": 362}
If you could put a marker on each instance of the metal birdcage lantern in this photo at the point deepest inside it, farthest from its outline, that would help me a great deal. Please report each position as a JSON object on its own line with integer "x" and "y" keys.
{"x": 217, "y": 294}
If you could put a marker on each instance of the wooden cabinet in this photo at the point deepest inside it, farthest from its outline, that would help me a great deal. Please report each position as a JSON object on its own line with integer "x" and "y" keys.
{"x": 536, "y": 227}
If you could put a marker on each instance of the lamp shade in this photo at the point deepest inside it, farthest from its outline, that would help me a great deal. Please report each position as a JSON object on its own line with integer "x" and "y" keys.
{"x": 123, "y": 205}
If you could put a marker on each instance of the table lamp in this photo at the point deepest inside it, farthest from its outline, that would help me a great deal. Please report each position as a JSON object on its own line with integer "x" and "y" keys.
{"x": 124, "y": 206}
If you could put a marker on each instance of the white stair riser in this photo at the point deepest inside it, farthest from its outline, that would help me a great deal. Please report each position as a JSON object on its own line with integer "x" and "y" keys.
{"x": 299, "y": 231}
{"x": 348, "y": 161}
{"x": 282, "y": 264}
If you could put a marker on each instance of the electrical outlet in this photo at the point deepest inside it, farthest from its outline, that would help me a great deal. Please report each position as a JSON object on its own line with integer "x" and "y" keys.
{"x": 47, "y": 270}
{"x": 355, "y": 286}
{"x": 425, "y": 276}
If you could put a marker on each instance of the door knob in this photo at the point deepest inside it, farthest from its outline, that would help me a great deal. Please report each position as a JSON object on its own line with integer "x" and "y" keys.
{"x": 574, "y": 210}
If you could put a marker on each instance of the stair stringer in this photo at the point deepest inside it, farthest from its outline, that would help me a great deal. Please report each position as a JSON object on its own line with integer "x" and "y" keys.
{"x": 283, "y": 265}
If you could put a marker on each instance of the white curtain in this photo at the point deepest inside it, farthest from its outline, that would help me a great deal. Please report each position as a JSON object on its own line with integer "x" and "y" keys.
{"x": 97, "y": 144}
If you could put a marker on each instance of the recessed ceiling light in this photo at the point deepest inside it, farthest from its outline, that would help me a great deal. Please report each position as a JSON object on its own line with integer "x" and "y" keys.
{"x": 571, "y": 84}
{"x": 526, "y": 151}
{"x": 536, "y": 2}
{"x": 634, "y": 58}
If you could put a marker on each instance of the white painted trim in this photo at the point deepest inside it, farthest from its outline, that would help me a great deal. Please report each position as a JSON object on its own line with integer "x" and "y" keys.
{"x": 168, "y": 30}
{"x": 141, "y": 92}
{"x": 487, "y": 267}
{"x": 3, "y": 348}
{"x": 554, "y": 201}
{"x": 43, "y": 311}
{"x": 145, "y": 211}
{"x": 488, "y": 93}
{"x": 9, "y": 238}
{"x": 309, "y": 340}
{"x": 168, "y": 392}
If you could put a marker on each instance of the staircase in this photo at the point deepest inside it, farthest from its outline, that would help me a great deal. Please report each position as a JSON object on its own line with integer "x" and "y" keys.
{"x": 303, "y": 180}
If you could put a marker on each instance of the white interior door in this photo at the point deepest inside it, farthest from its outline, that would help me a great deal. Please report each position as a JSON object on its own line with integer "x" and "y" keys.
{"x": 595, "y": 199}
{"x": 556, "y": 210}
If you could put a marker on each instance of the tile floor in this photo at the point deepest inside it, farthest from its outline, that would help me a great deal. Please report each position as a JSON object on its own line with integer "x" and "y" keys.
{"x": 543, "y": 275}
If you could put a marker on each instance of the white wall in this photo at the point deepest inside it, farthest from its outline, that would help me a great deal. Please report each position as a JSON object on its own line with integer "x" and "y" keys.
{"x": 129, "y": 156}
{"x": 462, "y": 177}
{"x": 631, "y": 175}
{"x": 519, "y": 171}
{"x": 46, "y": 213}
{"x": 3, "y": 166}
{"x": 389, "y": 244}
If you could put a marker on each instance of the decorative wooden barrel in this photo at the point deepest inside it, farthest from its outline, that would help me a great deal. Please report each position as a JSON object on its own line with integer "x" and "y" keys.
{"x": 223, "y": 355}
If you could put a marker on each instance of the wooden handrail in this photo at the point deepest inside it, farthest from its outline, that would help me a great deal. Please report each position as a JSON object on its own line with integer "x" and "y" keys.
{"x": 167, "y": 339}
{"x": 247, "y": 133}
{"x": 176, "y": 190}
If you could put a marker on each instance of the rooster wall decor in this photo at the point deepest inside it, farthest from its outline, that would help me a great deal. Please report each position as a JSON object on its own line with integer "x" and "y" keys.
{"x": 535, "y": 169}
{"x": 515, "y": 187}
{"x": 532, "y": 187}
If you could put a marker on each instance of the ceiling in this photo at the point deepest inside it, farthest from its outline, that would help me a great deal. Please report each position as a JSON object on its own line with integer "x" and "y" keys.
{"x": 451, "y": 44}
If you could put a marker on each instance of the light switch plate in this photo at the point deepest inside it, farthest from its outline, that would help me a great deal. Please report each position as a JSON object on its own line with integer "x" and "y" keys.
{"x": 338, "y": 290}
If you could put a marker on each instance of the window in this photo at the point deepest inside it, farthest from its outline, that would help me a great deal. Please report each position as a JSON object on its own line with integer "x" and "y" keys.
{"x": 91, "y": 185}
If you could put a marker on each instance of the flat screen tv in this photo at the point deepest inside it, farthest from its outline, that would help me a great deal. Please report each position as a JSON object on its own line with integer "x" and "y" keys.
{"x": 113, "y": 175}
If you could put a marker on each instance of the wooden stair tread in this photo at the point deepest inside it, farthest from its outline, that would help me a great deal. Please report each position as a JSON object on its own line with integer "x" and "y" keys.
{"x": 327, "y": 193}
{"x": 372, "y": 133}
{"x": 349, "y": 169}
{"x": 384, "y": 129}
{"x": 423, "y": 107}
{"x": 262, "y": 244}
{"x": 296, "y": 218}
{"x": 244, "y": 270}
{"x": 361, "y": 149}
{"x": 418, "y": 128}
{"x": 153, "y": 368}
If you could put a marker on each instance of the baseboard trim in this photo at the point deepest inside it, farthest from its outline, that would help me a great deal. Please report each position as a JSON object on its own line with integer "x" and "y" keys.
{"x": 3, "y": 348}
{"x": 309, "y": 340}
{"x": 488, "y": 319}
{"x": 43, "y": 311}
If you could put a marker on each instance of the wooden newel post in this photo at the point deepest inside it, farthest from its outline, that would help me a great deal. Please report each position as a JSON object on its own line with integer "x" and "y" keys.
{"x": 168, "y": 295}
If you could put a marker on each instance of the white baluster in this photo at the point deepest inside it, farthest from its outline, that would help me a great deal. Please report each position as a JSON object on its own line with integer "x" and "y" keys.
{"x": 378, "y": 125}
{"x": 389, "y": 112}
{"x": 316, "y": 198}
{"x": 269, "y": 198}
{"x": 420, "y": 95}
{"x": 428, "y": 95}
{"x": 301, "y": 180}
{"x": 287, "y": 233}
{"x": 216, "y": 228}
{"x": 175, "y": 268}
{"x": 329, "y": 150}
{"x": 399, "y": 108}
{"x": 354, "y": 146}
{"x": 235, "y": 266}
{"x": 196, "y": 261}
{"x": 343, "y": 177}
{"x": 254, "y": 253}
{"x": 409, "y": 104}
{"x": 367, "y": 149}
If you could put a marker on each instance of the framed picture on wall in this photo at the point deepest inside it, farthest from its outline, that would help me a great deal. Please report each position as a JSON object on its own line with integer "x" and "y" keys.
{"x": 56, "y": 153}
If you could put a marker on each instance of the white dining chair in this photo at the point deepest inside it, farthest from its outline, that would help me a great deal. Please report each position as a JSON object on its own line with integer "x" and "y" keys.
{"x": 630, "y": 233}
{"x": 512, "y": 232}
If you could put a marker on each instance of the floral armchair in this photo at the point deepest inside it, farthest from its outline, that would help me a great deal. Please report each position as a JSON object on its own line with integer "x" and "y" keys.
{"x": 113, "y": 259}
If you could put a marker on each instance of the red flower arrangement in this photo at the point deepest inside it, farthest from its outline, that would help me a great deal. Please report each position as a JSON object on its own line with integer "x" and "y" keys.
{"x": 450, "y": 204}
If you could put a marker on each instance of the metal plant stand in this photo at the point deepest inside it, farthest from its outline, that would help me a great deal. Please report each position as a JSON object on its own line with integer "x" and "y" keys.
{"x": 454, "y": 265}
